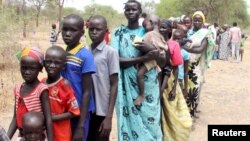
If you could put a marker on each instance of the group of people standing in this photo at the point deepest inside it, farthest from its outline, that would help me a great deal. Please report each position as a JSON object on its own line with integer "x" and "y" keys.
{"x": 152, "y": 74}
{"x": 230, "y": 42}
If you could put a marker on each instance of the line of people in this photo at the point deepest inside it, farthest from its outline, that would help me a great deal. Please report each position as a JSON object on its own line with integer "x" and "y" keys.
{"x": 152, "y": 74}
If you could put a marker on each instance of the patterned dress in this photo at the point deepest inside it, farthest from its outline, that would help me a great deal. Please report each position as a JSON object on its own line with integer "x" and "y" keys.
{"x": 176, "y": 119}
{"x": 198, "y": 63}
{"x": 224, "y": 49}
{"x": 135, "y": 123}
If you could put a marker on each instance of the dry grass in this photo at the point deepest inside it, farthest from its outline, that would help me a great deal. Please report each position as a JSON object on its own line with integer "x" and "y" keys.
{"x": 9, "y": 64}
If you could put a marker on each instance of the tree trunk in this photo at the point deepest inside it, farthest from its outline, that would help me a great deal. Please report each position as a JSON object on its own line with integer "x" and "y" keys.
{"x": 37, "y": 18}
{"x": 60, "y": 13}
{"x": 24, "y": 28}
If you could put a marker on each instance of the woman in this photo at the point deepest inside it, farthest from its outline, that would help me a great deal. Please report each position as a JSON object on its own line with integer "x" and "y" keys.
{"x": 224, "y": 50}
{"x": 176, "y": 119}
{"x": 142, "y": 122}
{"x": 201, "y": 54}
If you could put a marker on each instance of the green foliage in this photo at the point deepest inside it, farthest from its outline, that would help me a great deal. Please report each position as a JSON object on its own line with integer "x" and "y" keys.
{"x": 113, "y": 18}
{"x": 71, "y": 10}
{"x": 168, "y": 8}
{"x": 221, "y": 11}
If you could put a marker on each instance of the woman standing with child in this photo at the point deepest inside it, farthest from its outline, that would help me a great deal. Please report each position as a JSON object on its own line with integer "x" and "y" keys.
{"x": 135, "y": 122}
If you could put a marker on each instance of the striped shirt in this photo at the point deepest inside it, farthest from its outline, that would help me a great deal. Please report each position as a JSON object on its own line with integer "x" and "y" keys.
{"x": 32, "y": 100}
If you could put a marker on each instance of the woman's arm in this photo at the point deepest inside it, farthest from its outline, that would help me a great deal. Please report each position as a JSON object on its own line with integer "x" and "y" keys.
{"x": 128, "y": 62}
{"x": 47, "y": 114}
{"x": 13, "y": 125}
{"x": 198, "y": 49}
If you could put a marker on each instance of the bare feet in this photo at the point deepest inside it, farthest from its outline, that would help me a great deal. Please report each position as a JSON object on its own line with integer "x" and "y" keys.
{"x": 138, "y": 101}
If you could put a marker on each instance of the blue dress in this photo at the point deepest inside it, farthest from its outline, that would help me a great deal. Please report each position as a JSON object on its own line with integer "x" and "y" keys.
{"x": 135, "y": 123}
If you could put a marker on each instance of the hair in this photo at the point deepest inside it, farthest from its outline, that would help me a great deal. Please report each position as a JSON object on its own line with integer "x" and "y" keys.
{"x": 58, "y": 49}
{"x": 216, "y": 24}
{"x": 102, "y": 18}
{"x": 34, "y": 117}
{"x": 187, "y": 17}
{"x": 77, "y": 17}
{"x": 134, "y": 1}
{"x": 144, "y": 15}
{"x": 234, "y": 23}
{"x": 178, "y": 31}
{"x": 53, "y": 26}
{"x": 168, "y": 23}
{"x": 154, "y": 19}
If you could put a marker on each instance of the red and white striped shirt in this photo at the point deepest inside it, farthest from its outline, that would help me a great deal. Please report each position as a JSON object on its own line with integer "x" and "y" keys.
{"x": 32, "y": 100}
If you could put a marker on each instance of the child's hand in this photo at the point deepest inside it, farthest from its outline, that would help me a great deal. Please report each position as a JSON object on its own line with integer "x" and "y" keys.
{"x": 190, "y": 41}
{"x": 137, "y": 40}
{"x": 144, "y": 47}
{"x": 172, "y": 95}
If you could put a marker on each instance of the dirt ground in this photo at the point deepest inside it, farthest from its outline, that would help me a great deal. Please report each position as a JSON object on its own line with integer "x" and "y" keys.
{"x": 224, "y": 98}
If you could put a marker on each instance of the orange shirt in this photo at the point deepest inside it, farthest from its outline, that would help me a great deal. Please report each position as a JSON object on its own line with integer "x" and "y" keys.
{"x": 62, "y": 100}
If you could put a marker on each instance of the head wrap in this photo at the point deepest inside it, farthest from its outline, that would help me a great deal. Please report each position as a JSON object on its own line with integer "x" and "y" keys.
{"x": 167, "y": 23}
{"x": 33, "y": 52}
{"x": 200, "y": 14}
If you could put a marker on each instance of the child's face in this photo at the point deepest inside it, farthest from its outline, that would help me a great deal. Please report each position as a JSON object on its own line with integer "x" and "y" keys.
{"x": 54, "y": 63}
{"x": 147, "y": 24}
{"x": 97, "y": 30}
{"x": 187, "y": 22}
{"x": 178, "y": 37}
{"x": 33, "y": 132}
{"x": 29, "y": 68}
{"x": 71, "y": 31}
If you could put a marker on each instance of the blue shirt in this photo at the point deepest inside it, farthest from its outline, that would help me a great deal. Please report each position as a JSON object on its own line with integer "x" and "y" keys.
{"x": 79, "y": 63}
{"x": 185, "y": 56}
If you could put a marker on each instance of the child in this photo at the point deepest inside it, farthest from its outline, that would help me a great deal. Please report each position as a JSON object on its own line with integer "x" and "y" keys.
{"x": 3, "y": 135}
{"x": 153, "y": 37}
{"x": 105, "y": 80}
{"x": 63, "y": 104}
{"x": 32, "y": 95}
{"x": 80, "y": 66}
{"x": 243, "y": 39}
{"x": 182, "y": 69}
{"x": 33, "y": 127}
{"x": 53, "y": 35}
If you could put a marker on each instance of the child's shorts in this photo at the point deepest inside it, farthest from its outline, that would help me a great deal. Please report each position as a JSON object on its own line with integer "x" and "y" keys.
{"x": 150, "y": 64}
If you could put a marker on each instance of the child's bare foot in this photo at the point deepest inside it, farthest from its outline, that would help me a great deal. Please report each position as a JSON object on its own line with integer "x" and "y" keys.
{"x": 138, "y": 101}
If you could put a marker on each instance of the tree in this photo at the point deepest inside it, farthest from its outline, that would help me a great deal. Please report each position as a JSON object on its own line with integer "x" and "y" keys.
{"x": 148, "y": 7}
{"x": 112, "y": 16}
{"x": 60, "y": 4}
{"x": 221, "y": 11}
{"x": 38, "y": 5}
{"x": 168, "y": 8}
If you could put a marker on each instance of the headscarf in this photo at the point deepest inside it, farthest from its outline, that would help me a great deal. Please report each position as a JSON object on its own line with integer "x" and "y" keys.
{"x": 33, "y": 52}
{"x": 200, "y": 14}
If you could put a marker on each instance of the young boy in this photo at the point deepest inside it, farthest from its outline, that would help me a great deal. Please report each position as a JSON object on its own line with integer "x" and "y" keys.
{"x": 63, "y": 103}
{"x": 153, "y": 37}
{"x": 53, "y": 35}
{"x": 105, "y": 80}
{"x": 33, "y": 127}
{"x": 182, "y": 69}
{"x": 80, "y": 66}
{"x": 242, "y": 42}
